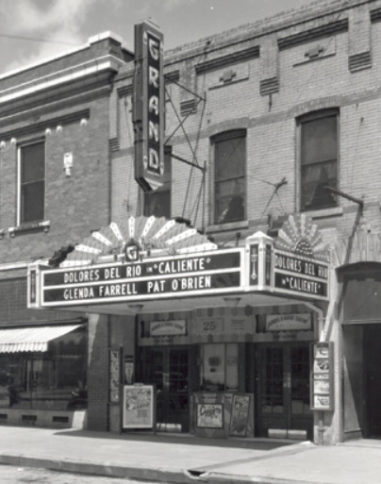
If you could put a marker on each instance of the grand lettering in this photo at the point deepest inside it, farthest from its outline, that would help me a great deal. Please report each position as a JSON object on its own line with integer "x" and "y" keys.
{"x": 154, "y": 164}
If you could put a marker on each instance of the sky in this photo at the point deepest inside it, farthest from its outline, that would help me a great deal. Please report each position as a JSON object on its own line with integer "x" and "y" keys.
{"x": 33, "y": 30}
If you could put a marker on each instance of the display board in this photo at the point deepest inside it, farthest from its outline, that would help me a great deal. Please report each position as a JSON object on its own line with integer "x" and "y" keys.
{"x": 114, "y": 375}
{"x": 138, "y": 406}
{"x": 239, "y": 415}
{"x": 210, "y": 415}
{"x": 322, "y": 377}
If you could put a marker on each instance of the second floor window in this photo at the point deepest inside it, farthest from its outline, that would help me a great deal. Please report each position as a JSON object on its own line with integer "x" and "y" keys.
{"x": 31, "y": 186}
{"x": 229, "y": 176}
{"x": 158, "y": 202}
{"x": 319, "y": 154}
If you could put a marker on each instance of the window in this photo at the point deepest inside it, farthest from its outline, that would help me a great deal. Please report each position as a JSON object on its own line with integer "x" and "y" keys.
{"x": 158, "y": 202}
{"x": 319, "y": 153}
{"x": 54, "y": 380}
{"x": 31, "y": 169}
{"x": 229, "y": 176}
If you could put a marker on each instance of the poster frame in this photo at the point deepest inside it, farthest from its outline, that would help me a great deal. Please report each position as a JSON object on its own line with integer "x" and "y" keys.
{"x": 151, "y": 417}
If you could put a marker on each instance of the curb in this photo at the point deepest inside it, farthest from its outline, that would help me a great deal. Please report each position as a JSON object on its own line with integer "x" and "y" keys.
{"x": 139, "y": 473}
{"x": 105, "y": 470}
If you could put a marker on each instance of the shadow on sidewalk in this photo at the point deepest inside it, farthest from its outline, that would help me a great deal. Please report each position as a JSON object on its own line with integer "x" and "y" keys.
{"x": 185, "y": 439}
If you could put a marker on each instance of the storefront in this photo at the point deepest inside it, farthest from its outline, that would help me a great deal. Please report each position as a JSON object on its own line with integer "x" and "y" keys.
{"x": 43, "y": 374}
{"x": 223, "y": 338}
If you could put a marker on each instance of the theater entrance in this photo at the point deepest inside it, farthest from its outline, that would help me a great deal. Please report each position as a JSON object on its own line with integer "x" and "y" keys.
{"x": 283, "y": 407}
{"x": 168, "y": 369}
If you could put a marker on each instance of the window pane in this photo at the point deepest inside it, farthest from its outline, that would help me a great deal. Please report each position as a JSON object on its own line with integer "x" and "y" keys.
{"x": 32, "y": 202}
{"x": 319, "y": 141}
{"x": 314, "y": 179}
{"x": 229, "y": 177}
{"x": 230, "y": 158}
{"x": 32, "y": 162}
{"x": 318, "y": 162}
{"x": 229, "y": 201}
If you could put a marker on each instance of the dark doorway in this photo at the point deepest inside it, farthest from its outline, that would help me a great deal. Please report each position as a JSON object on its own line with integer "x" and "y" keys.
{"x": 168, "y": 369}
{"x": 372, "y": 353}
{"x": 283, "y": 388}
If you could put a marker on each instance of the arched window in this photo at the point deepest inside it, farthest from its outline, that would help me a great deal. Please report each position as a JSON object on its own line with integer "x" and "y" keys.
{"x": 319, "y": 150}
{"x": 229, "y": 176}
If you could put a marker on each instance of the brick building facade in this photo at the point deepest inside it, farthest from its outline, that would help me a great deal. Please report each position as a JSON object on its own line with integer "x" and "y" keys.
{"x": 269, "y": 114}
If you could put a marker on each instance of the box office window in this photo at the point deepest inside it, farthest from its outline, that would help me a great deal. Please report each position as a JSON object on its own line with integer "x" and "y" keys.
{"x": 158, "y": 202}
{"x": 219, "y": 367}
{"x": 318, "y": 159}
{"x": 229, "y": 176}
{"x": 31, "y": 182}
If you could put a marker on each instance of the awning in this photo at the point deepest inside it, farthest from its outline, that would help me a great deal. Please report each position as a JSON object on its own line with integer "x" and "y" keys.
{"x": 31, "y": 339}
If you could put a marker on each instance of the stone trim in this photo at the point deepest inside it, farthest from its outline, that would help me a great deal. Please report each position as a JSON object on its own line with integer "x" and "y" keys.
{"x": 125, "y": 90}
{"x": 172, "y": 76}
{"x": 326, "y": 30}
{"x": 228, "y": 59}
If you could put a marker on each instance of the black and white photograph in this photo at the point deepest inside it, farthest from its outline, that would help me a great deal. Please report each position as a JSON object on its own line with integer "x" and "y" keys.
{"x": 190, "y": 241}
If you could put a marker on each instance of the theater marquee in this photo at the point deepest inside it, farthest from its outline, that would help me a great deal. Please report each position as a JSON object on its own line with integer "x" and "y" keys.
{"x": 209, "y": 273}
{"x": 294, "y": 266}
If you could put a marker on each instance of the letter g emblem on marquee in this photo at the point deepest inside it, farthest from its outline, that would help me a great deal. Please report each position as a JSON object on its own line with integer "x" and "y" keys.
{"x": 132, "y": 251}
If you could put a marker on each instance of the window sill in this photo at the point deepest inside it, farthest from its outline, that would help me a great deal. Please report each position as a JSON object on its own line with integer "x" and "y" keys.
{"x": 244, "y": 224}
{"x": 325, "y": 212}
{"x": 30, "y": 227}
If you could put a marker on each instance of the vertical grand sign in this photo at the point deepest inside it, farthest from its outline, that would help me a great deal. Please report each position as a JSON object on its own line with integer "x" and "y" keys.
{"x": 149, "y": 107}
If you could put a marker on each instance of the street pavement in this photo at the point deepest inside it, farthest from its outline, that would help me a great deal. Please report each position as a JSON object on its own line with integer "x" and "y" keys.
{"x": 187, "y": 459}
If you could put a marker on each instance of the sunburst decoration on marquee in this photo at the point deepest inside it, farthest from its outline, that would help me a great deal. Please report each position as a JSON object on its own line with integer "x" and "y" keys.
{"x": 157, "y": 236}
{"x": 301, "y": 236}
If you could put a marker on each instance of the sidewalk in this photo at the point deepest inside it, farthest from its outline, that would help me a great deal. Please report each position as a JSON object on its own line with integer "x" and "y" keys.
{"x": 185, "y": 459}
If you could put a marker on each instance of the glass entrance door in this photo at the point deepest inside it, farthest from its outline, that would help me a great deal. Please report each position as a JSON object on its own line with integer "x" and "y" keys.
{"x": 283, "y": 388}
{"x": 168, "y": 369}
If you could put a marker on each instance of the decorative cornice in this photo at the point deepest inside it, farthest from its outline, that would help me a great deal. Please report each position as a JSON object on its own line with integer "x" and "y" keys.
{"x": 269, "y": 86}
{"x": 326, "y": 30}
{"x": 41, "y": 126}
{"x": 13, "y": 114}
{"x": 228, "y": 59}
{"x": 97, "y": 66}
{"x": 359, "y": 62}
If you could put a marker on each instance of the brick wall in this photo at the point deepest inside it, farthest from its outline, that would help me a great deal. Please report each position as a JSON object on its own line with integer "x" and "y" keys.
{"x": 307, "y": 82}
{"x": 13, "y": 310}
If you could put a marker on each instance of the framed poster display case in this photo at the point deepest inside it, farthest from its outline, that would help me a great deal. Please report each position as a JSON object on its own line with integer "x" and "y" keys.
{"x": 322, "y": 377}
{"x": 139, "y": 407}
